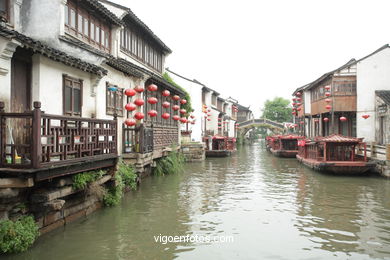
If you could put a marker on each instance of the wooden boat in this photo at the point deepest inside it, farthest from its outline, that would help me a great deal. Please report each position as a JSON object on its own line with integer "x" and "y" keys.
{"x": 335, "y": 154}
{"x": 220, "y": 146}
{"x": 284, "y": 145}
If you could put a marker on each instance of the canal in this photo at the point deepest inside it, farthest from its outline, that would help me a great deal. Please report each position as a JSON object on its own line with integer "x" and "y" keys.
{"x": 256, "y": 206}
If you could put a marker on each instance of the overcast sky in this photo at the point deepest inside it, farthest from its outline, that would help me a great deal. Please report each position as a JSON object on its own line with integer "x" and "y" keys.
{"x": 255, "y": 50}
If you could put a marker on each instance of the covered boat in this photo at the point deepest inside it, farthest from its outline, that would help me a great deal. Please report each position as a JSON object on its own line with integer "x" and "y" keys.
{"x": 284, "y": 145}
{"x": 336, "y": 154}
{"x": 220, "y": 146}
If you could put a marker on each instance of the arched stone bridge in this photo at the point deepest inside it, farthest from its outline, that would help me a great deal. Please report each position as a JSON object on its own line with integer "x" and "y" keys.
{"x": 245, "y": 126}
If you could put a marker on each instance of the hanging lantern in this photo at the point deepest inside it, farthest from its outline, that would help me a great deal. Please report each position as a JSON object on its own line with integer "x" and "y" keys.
{"x": 193, "y": 122}
{"x": 152, "y": 113}
{"x": 152, "y": 100}
{"x": 298, "y": 94}
{"x": 219, "y": 119}
{"x": 176, "y": 97}
{"x": 183, "y": 101}
{"x": 294, "y": 113}
{"x": 294, "y": 99}
{"x": 327, "y": 94}
{"x": 175, "y": 107}
{"x": 302, "y": 122}
{"x": 130, "y": 92}
{"x": 139, "y": 115}
{"x": 208, "y": 114}
{"x": 208, "y": 110}
{"x": 343, "y": 119}
{"x": 299, "y": 99}
{"x": 152, "y": 87}
{"x": 328, "y": 100}
{"x": 327, "y": 87}
{"x": 208, "y": 119}
{"x": 299, "y": 109}
{"x": 192, "y": 116}
{"x": 183, "y": 120}
{"x": 365, "y": 116}
{"x": 176, "y": 117}
{"x": 139, "y": 102}
{"x": 130, "y": 107}
{"x": 166, "y": 104}
{"x": 298, "y": 104}
{"x": 328, "y": 107}
{"x": 316, "y": 120}
{"x": 219, "y": 127}
{"x": 166, "y": 93}
{"x": 165, "y": 116}
{"x": 130, "y": 122}
{"x": 183, "y": 111}
{"x": 326, "y": 119}
{"x": 139, "y": 89}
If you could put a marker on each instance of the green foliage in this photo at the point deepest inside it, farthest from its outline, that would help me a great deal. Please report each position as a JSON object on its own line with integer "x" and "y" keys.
{"x": 17, "y": 236}
{"x": 188, "y": 105}
{"x": 173, "y": 163}
{"x": 129, "y": 177}
{"x": 278, "y": 110}
{"x": 124, "y": 177}
{"x": 81, "y": 180}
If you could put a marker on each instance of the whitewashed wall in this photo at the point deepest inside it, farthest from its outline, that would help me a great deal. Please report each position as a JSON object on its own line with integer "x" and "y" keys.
{"x": 372, "y": 74}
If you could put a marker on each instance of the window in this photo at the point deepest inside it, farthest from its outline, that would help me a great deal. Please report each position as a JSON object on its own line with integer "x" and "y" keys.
{"x": 72, "y": 96}
{"x": 214, "y": 100}
{"x": 138, "y": 47}
{"x": 114, "y": 100}
{"x": 84, "y": 25}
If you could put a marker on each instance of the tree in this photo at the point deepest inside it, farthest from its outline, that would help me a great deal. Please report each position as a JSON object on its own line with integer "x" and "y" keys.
{"x": 278, "y": 110}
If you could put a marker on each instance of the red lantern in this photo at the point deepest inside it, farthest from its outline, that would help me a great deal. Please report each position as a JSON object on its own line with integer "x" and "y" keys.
{"x": 219, "y": 127}
{"x": 299, "y": 99}
{"x": 316, "y": 120}
{"x": 130, "y": 92}
{"x": 130, "y": 122}
{"x": 192, "y": 116}
{"x": 139, "y": 102}
{"x": 294, "y": 113}
{"x": 328, "y": 107}
{"x": 183, "y": 111}
{"x": 208, "y": 110}
{"x": 166, "y": 93}
{"x": 208, "y": 114}
{"x": 176, "y": 117}
{"x": 193, "y": 122}
{"x": 139, "y": 89}
{"x": 139, "y": 115}
{"x": 299, "y": 109}
{"x": 152, "y": 100}
{"x": 327, "y": 94}
{"x": 166, "y": 104}
{"x": 152, "y": 87}
{"x": 183, "y": 120}
{"x": 219, "y": 119}
{"x": 298, "y": 104}
{"x": 165, "y": 116}
{"x": 176, "y": 97}
{"x": 365, "y": 116}
{"x": 302, "y": 122}
{"x": 175, "y": 107}
{"x": 130, "y": 107}
{"x": 326, "y": 119}
{"x": 327, "y": 87}
{"x": 208, "y": 119}
{"x": 294, "y": 99}
{"x": 298, "y": 94}
{"x": 328, "y": 100}
{"x": 152, "y": 113}
{"x": 343, "y": 119}
{"x": 183, "y": 101}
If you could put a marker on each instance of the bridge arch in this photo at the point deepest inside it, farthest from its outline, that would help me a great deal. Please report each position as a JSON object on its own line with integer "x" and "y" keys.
{"x": 245, "y": 126}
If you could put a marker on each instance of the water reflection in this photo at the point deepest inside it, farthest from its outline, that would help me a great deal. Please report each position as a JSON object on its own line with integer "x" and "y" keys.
{"x": 274, "y": 208}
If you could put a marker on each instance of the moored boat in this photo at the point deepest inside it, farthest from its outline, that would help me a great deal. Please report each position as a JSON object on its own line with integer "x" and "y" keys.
{"x": 220, "y": 146}
{"x": 283, "y": 145}
{"x": 336, "y": 154}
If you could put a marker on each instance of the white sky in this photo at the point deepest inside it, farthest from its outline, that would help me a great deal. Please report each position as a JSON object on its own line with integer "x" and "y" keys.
{"x": 254, "y": 50}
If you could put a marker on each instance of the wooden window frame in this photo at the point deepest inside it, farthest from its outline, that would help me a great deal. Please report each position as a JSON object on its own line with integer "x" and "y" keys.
{"x": 118, "y": 103}
{"x": 73, "y": 80}
{"x": 88, "y": 37}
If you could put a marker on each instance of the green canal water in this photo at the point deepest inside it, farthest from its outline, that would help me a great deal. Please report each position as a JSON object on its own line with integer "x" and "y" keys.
{"x": 264, "y": 207}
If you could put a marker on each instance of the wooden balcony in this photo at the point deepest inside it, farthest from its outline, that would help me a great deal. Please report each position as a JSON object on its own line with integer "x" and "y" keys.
{"x": 53, "y": 145}
{"x": 339, "y": 104}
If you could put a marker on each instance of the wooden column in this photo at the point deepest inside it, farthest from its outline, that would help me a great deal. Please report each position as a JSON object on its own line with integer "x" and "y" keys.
{"x": 388, "y": 152}
{"x": 36, "y": 149}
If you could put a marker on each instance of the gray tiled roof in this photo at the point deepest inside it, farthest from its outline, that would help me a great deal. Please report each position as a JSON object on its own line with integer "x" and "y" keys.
{"x": 51, "y": 53}
{"x": 384, "y": 95}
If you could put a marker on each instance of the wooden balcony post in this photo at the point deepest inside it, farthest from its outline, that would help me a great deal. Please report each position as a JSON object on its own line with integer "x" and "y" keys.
{"x": 388, "y": 152}
{"x": 36, "y": 149}
{"x": 373, "y": 151}
{"x": 2, "y": 133}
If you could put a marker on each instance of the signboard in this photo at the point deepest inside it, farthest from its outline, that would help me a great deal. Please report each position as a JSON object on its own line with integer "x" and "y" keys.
{"x": 382, "y": 109}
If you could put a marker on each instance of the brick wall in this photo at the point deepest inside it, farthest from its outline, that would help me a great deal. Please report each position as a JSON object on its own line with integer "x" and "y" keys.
{"x": 165, "y": 137}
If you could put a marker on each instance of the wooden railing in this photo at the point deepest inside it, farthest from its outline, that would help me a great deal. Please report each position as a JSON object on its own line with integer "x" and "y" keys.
{"x": 37, "y": 140}
{"x": 379, "y": 152}
{"x": 138, "y": 139}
